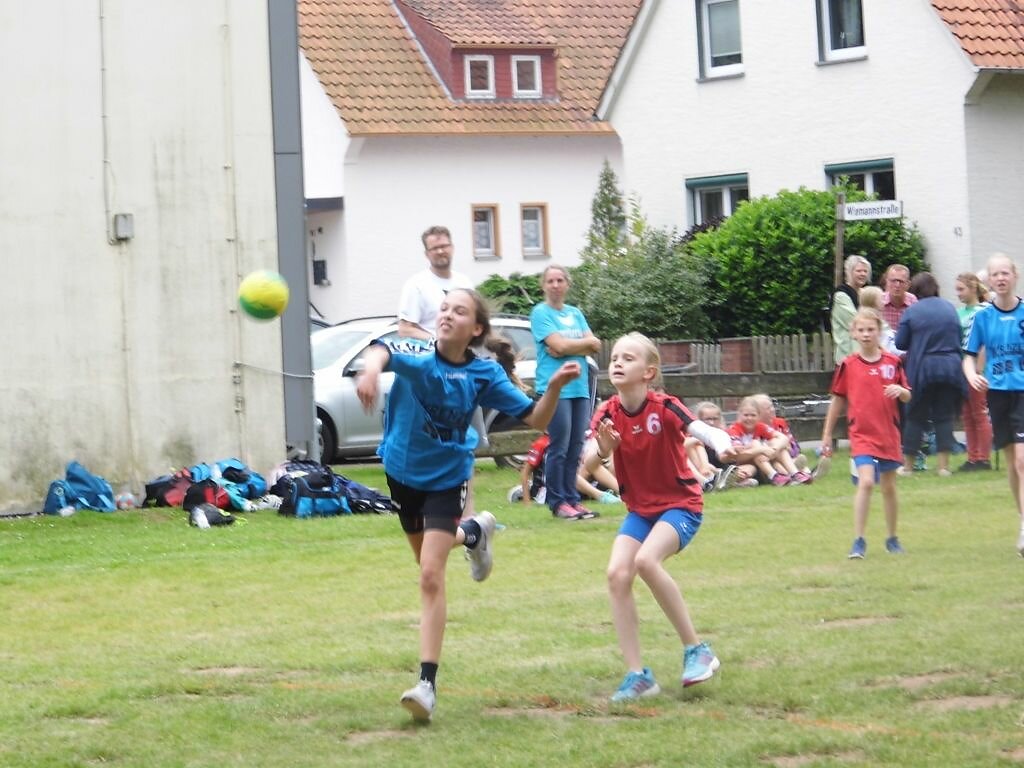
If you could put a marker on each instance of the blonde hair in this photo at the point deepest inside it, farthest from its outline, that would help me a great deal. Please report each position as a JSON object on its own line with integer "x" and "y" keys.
{"x": 869, "y": 314}
{"x": 651, "y": 354}
{"x": 747, "y": 403}
{"x": 703, "y": 406}
{"x": 1001, "y": 257}
{"x": 852, "y": 262}
{"x": 973, "y": 283}
{"x": 871, "y": 296}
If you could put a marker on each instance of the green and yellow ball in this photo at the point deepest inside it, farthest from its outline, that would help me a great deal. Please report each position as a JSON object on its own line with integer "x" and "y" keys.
{"x": 263, "y": 294}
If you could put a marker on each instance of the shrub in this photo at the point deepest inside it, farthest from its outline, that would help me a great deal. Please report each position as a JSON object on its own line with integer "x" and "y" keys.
{"x": 772, "y": 261}
{"x": 649, "y": 284}
{"x": 515, "y": 294}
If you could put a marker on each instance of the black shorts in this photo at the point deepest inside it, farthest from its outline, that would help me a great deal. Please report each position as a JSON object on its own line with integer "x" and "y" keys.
{"x": 421, "y": 510}
{"x": 1006, "y": 409}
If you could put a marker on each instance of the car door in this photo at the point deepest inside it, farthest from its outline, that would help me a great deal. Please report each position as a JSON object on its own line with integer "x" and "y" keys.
{"x": 359, "y": 429}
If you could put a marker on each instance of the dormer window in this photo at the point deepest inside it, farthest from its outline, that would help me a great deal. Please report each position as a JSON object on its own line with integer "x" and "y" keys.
{"x": 526, "y": 83}
{"x": 480, "y": 77}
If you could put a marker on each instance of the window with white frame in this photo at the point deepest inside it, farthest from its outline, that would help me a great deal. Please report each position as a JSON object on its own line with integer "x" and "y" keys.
{"x": 479, "y": 77}
{"x": 712, "y": 197}
{"x": 718, "y": 29}
{"x": 485, "y": 232}
{"x": 876, "y": 177}
{"x": 840, "y": 30}
{"x": 533, "y": 218}
{"x": 526, "y": 82}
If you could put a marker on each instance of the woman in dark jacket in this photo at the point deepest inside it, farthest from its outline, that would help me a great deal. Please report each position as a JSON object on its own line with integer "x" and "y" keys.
{"x": 930, "y": 333}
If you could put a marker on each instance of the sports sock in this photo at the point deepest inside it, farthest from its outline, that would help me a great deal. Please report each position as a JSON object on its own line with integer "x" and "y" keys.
{"x": 472, "y": 529}
{"x": 428, "y": 672}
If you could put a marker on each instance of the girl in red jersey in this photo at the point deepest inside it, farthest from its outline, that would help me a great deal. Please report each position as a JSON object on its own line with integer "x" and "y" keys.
{"x": 645, "y": 430}
{"x": 868, "y": 384}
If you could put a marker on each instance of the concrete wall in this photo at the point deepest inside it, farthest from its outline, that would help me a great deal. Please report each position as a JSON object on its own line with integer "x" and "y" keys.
{"x": 995, "y": 158}
{"x": 122, "y": 355}
{"x": 397, "y": 187}
{"x": 788, "y": 116}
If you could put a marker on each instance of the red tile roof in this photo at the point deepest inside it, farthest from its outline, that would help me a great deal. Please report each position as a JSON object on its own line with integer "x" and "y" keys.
{"x": 991, "y": 32}
{"x": 381, "y": 83}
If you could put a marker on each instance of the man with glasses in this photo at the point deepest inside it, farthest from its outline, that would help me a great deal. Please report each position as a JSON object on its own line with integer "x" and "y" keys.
{"x": 896, "y": 298}
{"x": 423, "y": 293}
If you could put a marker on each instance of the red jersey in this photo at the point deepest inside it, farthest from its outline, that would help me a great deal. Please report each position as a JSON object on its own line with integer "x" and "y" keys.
{"x": 538, "y": 448}
{"x": 872, "y": 419}
{"x": 741, "y": 437}
{"x": 650, "y": 462}
{"x": 779, "y": 424}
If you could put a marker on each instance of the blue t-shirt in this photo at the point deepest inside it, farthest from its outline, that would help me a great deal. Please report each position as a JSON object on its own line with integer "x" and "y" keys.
{"x": 568, "y": 321}
{"x": 1001, "y": 333}
{"x": 428, "y": 441}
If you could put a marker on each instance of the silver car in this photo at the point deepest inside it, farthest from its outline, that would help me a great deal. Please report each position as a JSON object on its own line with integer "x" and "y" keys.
{"x": 346, "y": 430}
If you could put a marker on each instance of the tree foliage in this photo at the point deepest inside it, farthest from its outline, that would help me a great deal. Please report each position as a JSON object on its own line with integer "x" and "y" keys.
{"x": 515, "y": 294}
{"x": 607, "y": 233}
{"x": 647, "y": 283}
{"x": 771, "y": 263}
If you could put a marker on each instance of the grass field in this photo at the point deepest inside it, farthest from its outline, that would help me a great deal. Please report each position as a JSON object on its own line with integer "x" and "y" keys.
{"x": 130, "y": 639}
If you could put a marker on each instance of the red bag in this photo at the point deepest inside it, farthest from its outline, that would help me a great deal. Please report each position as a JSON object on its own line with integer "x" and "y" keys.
{"x": 206, "y": 492}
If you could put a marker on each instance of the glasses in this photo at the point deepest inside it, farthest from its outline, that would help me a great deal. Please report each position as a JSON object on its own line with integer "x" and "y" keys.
{"x": 899, "y": 281}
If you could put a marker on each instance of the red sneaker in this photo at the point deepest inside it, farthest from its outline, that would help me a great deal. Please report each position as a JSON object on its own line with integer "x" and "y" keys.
{"x": 780, "y": 479}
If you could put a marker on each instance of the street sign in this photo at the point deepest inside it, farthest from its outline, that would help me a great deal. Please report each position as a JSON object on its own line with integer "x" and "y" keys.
{"x": 873, "y": 209}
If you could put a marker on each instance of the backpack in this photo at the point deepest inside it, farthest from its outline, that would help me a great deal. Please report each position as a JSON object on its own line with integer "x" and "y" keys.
{"x": 206, "y": 492}
{"x": 308, "y": 489}
{"x": 79, "y": 489}
{"x": 363, "y": 499}
{"x": 168, "y": 490}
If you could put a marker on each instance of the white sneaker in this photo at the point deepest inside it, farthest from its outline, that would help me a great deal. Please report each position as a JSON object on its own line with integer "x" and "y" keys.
{"x": 515, "y": 494}
{"x": 481, "y": 559}
{"x": 420, "y": 700}
{"x": 1020, "y": 543}
{"x": 723, "y": 476}
{"x": 824, "y": 465}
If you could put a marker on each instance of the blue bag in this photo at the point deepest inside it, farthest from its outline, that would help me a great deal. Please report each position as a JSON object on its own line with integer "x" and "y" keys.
{"x": 311, "y": 490}
{"x": 80, "y": 489}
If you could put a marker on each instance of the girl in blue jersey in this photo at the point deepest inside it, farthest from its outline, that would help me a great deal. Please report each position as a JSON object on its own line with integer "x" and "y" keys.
{"x": 999, "y": 330}
{"x": 428, "y": 451}
{"x": 646, "y": 431}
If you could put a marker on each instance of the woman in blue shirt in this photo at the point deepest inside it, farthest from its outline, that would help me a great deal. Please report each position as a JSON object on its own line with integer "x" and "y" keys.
{"x": 428, "y": 451}
{"x": 562, "y": 334}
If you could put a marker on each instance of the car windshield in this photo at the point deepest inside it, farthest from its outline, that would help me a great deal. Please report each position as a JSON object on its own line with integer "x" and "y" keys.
{"x": 330, "y": 344}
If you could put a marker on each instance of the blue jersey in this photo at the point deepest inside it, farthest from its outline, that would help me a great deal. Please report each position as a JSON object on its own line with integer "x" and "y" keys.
{"x": 1001, "y": 333}
{"x": 428, "y": 441}
{"x": 570, "y": 323}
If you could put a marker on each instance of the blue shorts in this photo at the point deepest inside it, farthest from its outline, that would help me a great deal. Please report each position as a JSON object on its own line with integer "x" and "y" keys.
{"x": 881, "y": 465}
{"x": 685, "y": 522}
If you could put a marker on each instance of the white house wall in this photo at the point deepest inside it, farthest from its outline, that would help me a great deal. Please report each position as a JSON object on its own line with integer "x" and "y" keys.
{"x": 397, "y": 187}
{"x": 121, "y": 355}
{"x": 324, "y": 139}
{"x": 995, "y": 156}
{"x": 787, "y": 116}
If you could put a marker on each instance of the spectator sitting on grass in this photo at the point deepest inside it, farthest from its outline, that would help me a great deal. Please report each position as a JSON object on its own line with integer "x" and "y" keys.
{"x": 742, "y": 474}
{"x": 758, "y": 443}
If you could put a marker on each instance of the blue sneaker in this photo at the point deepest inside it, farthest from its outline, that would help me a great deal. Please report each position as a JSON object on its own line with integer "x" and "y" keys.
{"x": 892, "y": 546}
{"x": 858, "y": 549}
{"x": 637, "y": 685}
{"x": 609, "y": 498}
{"x": 699, "y": 664}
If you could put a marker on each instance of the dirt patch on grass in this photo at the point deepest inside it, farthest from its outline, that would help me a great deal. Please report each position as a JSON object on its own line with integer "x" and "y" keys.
{"x": 798, "y": 761}
{"x": 917, "y": 682}
{"x": 362, "y": 738}
{"x": 546, "y": 706}
{"x": 965, "y": 703}
{"x": 855, "y": 621}
{"x": 227, "y": 671}
{"x": 1016, "y": 755}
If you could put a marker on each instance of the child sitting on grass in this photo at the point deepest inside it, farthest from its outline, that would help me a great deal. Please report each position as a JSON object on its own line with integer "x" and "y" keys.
{"x": 867, "y": 384}
{"x": 762, "y": 446}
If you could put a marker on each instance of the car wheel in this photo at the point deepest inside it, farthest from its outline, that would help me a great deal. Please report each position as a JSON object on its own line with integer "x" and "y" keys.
{"x": 513, "y": 461}
{"x": 328, "y": 442}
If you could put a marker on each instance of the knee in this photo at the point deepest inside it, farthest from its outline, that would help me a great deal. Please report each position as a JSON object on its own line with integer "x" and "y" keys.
{"x": 431, "y": 581}
{"x": 647, "y": 566}
{"x": 620, "y": 579}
